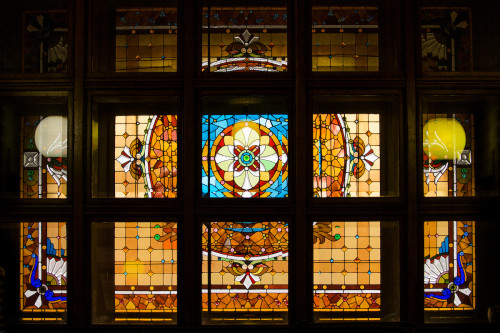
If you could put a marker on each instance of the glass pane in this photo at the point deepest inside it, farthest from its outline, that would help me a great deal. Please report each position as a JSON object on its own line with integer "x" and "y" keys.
{"x": 43, "y": 271}
{"x": 137, "y": 277}
{"x": 244, "y": 38}
{"x": 245, "y": 156}
{"x": 35, "y": 145}
{"x": 146, "y": 156}
{"x": 449, "y": 155}
{"x": 355, "y": 146}
{"x": 46, "y": 42}
{"x": 245, "y": 272}
{"x": 134, "y": 147}
{"x": 347, "y": 269}
{"x": 345, "y": 39}
{"x": 446, "y": 39}
{"x": 355, "y": 271}
{"x": 37, "y": 41}
{"x": 244, "y": 147}
{"x": 449, "y": 267}
{"x": 459, "y": 39}
{"x": 146, "y": 40}
{"x": 346, "y": 153}
{"x": 44, "y": 142}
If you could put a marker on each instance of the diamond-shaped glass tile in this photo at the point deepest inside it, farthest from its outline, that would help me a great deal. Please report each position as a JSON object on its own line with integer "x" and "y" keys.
{"x": 369, "y": 181}
{"x": 273, "y": 272}
{"x": 125, "y": 183}
{"x": 344, "y": 248}
{"x": 137, "y": 261}
{"x": 125, "y": 135}
{"x": 357, "y": 260}
{"x": 465, "y": 158}
{"x": 125, "y": 249}
{"x": 150, "y": 249}
{"x": 150, "y": 273}
{"x": 368, "y": 133}
{"x": 369, "y": 248}
{"x": 222, "y": 272}
{"x": 344, "y": 272}
{"x": 31, "y": 159}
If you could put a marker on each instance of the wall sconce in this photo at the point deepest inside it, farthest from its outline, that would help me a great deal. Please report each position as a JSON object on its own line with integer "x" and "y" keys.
{"x": 51, "y": 136}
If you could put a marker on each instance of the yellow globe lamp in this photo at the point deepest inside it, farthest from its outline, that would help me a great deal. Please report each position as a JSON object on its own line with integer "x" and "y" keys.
{"x": 444, "y": 139}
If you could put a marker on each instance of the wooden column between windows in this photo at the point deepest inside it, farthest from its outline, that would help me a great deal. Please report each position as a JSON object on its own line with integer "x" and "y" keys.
{"x": 301, "y": 286}
{"x": 411, "y": 233}
{"x": 189, "y": 282}
{"x": 79, "y": 261}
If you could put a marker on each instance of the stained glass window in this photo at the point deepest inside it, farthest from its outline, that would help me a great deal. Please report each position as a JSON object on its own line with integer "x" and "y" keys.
{"x": 245, "y": 156}
{"x": 449, "y": 265}
{"x": 346, "y": 152}
{"x": 44, "y": 163}
{"x": 245, "y": 272}
{"x": 446, "y": 39}
{"x": 244, "y": 39}
{"x": 448, "y": 142}
{"x": 347, "y": 270}
{"x": 145, "y": 270}
{"x": 146, "y": 40}
{"x": 345, "y": 39}
{"x": 43, "y": 271}
{"x": 45, "y": 42}
{"x": 146, "y": 156}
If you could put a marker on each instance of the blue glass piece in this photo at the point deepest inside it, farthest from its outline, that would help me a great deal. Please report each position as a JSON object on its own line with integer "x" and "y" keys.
{"x": 445, "y": 294}
{"x": 444, "y": 246}
{"x": 222, "y": 124}
{"x": 246, "y": 229}
{"x": 37, "y": 283}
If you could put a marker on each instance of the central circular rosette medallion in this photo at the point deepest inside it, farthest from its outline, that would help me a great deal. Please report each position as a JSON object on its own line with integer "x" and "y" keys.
{"x": 247, "y": 158}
